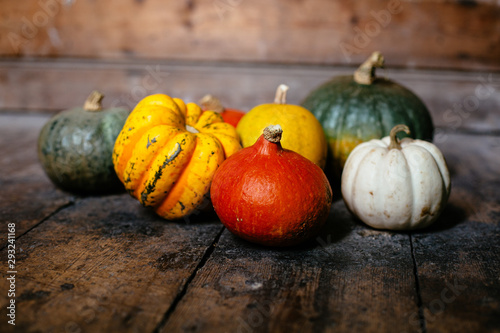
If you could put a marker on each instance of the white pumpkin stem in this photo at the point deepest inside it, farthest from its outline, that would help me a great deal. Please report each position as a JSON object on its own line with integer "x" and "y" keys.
{"x": 280, "y": 97}
{"x": 393, "y": 135}
{"x": 212, "y": 103}
{"x": 365, "y": 74}
{"x": 272, "y": 133}
{"x": 93, "y": 102}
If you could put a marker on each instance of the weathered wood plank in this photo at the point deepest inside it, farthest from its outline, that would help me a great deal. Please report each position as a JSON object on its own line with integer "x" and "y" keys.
{"x": 459, "y": 259}
{"x": 314, "y": 32}
{"x": 27, "y": 196}
{"x": 351, "y": 279}
{"x": 104, "y": 264}
{"x": 457, "y": 100}
{"x": 18, "y": 140}
{"x": 107, "y": 264}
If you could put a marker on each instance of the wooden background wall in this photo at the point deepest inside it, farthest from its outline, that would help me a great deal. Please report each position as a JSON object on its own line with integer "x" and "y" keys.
{"x": 53, "y": 52}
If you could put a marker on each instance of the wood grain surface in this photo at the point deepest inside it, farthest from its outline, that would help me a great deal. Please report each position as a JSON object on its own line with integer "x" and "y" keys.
{"x": 25, "y": 188}
{"x": 457, "y": 258}
{"x": 348, "y": 272}
{"x": 444, "y": 34}
{"x": 106, "y": 264}
{"x": 457, "y": 100}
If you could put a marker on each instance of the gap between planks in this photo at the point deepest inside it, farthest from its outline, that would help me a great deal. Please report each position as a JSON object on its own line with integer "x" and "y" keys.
{"x": 421, "y": 317}
{"x": 184, "y": 289}
{"x": 53, "y": 213}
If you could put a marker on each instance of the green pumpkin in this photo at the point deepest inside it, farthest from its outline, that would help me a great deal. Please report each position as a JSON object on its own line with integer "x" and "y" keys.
{"x": 75, "y": 147}
{"x": 358, "y": 108}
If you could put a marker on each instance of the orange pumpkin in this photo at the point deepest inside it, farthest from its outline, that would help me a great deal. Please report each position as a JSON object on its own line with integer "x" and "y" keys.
{"x": 167, "y": 153}
{"x": 270, "y": 195}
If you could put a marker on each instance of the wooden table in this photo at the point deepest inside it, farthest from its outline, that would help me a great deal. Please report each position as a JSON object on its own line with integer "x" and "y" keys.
{"x": 106, "y": 264}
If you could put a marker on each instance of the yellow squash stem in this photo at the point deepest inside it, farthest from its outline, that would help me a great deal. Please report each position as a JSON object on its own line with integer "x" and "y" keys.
{"x": 280, "y": 97}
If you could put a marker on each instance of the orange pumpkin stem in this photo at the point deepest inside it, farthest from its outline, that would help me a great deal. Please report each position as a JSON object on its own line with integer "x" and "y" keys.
{"x": 365, "y": 74}
{"x": 393, "y": 135}
{"x": 272, "y": 133}
{"x": 93, "y": 102}
{"x": 280, "y": 97}
{"x": 212, "y": 103}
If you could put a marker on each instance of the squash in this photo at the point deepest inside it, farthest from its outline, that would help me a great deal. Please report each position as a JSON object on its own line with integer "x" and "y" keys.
{"x": 75, "y": 147}
{"x": 212, "y": 103}
{"x": 360, "y": 107}
{"x": 396, "y": 185}
{"x": 270, "y": 195}
{"x": 303, "y": 132}
{"x": 167, "y": 153}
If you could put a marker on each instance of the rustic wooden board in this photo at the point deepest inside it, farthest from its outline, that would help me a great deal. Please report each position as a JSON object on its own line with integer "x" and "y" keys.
{"x": 89, "y": 264}
{"x": 456, "y": 263}
{"x": 350, "y": 279}
{"x": 25, "y": 187}
{"x": 451, "y": 34}
{"x": 104, "y": 264}
{"x": 459, "y": 259}
{"x": 456, "y": 100}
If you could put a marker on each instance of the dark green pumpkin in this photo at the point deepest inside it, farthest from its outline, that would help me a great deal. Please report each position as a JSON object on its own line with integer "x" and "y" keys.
{"x": 75, "y": 147}
{"x": 358, "y": 108}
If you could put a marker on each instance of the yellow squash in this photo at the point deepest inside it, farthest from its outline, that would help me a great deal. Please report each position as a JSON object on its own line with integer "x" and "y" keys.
{"x": 168, "y": 151}
{"x": 305, "y": 133}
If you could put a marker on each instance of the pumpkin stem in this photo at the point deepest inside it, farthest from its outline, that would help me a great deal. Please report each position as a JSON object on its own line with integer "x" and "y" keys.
{"x": 212, "y": 103}
{"x": 280, "y": 97}
{"x": 393, "y": 135}
{"x": 272, "y": 133}
{"x": 365, "y": 74}
{"x": 93, "y": 102}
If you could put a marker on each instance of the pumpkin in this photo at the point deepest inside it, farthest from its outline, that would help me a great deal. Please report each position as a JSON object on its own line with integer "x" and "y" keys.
{"x": 167, "y": 153}
{"x": 212, "y": 103}
{"x": 357, "y": 108}
{"x": 302, "y": 131}
{"x": 392, "y": 184}
{"x": 270, "y": 195}
{"x": 75, "y": 147}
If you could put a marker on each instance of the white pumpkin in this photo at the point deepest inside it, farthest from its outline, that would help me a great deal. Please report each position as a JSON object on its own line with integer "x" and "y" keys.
{"x": 397, "y": 185}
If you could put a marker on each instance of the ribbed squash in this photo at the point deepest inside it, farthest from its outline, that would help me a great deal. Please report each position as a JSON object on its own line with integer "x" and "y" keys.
{"x": 167, "y": 153}
{"x": 357, "y": 108}
{"x": 396, "y": 185}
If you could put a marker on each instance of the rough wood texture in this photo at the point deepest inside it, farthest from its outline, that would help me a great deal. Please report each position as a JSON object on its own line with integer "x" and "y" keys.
{"x": 90, "y": 263}
{"x": 25, "y": 188}
{"x": 452, "y": 34}
{"x": 106, "y": 264}
{"x": 457, "y": 100}
{"x": 458, "y": 259}
{"x": 349, "y": 272}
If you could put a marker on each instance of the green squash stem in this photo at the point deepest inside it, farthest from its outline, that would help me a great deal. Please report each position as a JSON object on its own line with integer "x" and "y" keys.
{"x": 393, "y": 135}
{"x": 93, "y": 102}
{"x": 365, "y": 74}
{"x": 280, "y": 97}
